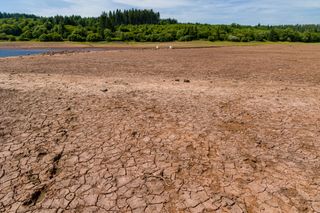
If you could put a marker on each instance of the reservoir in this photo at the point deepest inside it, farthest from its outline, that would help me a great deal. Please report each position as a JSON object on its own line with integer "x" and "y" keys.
{"x": 20, "y": 52}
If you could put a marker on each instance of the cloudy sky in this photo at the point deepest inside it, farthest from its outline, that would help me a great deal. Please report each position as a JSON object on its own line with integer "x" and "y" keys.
{"x": 203, "y": 11}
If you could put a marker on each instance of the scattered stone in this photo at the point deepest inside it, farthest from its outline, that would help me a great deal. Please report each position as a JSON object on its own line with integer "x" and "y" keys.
{"x": 57, "y": 157}
{"x": 37, "y": 196}
{"x": 186, "y": 81}
{"x": 42, "y": 153}
{"x": 104, "y": 90}
{"x": 134, "y": 134}
{"x": 53, "y": 171}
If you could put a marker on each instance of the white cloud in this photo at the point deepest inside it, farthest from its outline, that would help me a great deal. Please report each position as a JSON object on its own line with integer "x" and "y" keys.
{"x": 77, "y": 7}
{"x": 154, "y": 3}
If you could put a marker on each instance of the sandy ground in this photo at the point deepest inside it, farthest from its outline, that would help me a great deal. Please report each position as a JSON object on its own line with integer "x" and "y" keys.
{"x": 230, "y": 129}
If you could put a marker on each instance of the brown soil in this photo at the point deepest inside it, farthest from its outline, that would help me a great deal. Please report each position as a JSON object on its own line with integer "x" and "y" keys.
{"x": 232, "y": 129}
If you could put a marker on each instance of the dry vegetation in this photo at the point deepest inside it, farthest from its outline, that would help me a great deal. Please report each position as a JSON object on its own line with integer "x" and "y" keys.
{"x": 229, "y": 129}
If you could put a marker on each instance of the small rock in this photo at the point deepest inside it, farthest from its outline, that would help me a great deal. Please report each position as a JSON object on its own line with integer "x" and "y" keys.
{"x": 104, "y": 90}
{"x": 177, "y": 80}
{"x": 186, "y": 81}
{"x": 134, "y": 134}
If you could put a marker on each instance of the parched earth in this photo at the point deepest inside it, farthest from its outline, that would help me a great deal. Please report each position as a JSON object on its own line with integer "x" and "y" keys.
{"x": 230, "y": 129}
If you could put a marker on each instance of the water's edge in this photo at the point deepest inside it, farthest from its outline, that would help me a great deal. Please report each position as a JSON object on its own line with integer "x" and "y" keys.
{"x": 13, "y": 52}
{"x": 21, "y": 52}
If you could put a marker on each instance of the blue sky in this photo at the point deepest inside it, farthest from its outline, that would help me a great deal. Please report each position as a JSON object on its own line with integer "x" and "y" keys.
{"x": 203, "y": 11}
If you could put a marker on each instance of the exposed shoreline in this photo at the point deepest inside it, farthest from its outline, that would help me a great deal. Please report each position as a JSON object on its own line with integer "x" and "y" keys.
{"x": 133, "y": 45}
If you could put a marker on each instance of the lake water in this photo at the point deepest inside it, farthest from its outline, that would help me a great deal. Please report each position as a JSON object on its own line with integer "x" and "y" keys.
{"x": 20, "y": 52}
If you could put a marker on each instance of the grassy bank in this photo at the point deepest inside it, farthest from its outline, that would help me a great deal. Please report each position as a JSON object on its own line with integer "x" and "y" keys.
{"x": 191, "y": 44}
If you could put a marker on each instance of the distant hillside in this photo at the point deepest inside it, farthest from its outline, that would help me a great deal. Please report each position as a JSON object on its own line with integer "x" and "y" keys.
{"x": 142, "y": 25}
{"x": 16, "y": 15}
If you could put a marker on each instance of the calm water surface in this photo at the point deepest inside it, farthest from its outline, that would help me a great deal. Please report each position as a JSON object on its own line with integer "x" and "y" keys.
{"x": 20, "y": 52}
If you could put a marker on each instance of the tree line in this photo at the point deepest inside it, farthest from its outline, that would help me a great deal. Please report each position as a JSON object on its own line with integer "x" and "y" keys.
{"x": 142, "y": 26}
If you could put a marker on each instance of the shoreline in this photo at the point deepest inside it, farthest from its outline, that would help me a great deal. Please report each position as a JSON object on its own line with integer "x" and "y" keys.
{"x": 134, "y": 45}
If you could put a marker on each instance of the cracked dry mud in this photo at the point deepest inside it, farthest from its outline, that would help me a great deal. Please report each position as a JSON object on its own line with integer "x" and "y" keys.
{"x": 117, "y": 132}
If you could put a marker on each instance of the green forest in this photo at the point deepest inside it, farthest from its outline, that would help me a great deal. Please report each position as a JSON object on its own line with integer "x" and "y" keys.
{"x": 142, "y": 26}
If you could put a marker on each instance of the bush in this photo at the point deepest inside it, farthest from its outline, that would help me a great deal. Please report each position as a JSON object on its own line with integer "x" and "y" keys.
{"x": 315, "y": 37}
{"x": 10, "y": 29}
{"x": 140, "y": 37}
{"x": 108, "y": 39}
{"x": 186, "y": 38}
{"x": 26, "y": 36}
{"x": 212, "y": 38}
{"x": 76, "y": 37}
{"x": 55, "y": 37}
{"x": 12, "y": 38}
{"x": 233, "y": 38}
{"x": 94, "y": 37}
{"x": 203, "y": 34}
{"x": 3, "y": 37}
{"x": 261, "y": 36}
{"x": 38, "y": 31}
{"x": 129, "y": 36}
{"x": 23, "y": 39}
{"x": 165, "y": 37}
{"x": 152, "y": 37}
{"x": 245, "y": 39}
{"x": 273, "y": 35}
{"x": 44, "y": 37}
{"x": 107, "y": 33}
{"x": 80, "y": 31}
{"x": 51, "y": 37}
{"x": 180, "y": 33}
